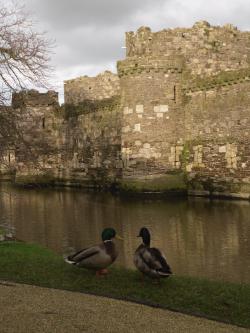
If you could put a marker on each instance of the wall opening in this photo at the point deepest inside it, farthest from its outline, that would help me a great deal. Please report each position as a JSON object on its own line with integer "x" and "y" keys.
{"x": 174, "y": 98}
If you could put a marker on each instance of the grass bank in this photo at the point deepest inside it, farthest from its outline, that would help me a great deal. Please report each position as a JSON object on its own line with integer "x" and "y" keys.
{"x": 31, "y": 264}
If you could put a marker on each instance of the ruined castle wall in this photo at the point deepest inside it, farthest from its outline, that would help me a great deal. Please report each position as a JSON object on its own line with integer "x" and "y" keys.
{"x": 93, "y": 134}
{"x": 217, "y": 137}
{"x": 179, "y": 105}
{"x": 206, "y": 49}
{"x": 103, "y": 86}
{"x": 185, "y": 105}
{"x": 151, "y": 115}
{"x": 39, "y": 133}
{"x": 82, "y": 148}
{"x": 93, "y": 140}
{"x": 93, "y": 147}
{"x": 6, "y": 144}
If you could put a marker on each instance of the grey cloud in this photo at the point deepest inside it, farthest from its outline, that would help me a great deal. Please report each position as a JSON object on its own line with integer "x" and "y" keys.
{"x": 214, "y": 11}
{"x": 89, "y": 33}
{"x": 67, "y": 14}
{"x": 84, "y": 49}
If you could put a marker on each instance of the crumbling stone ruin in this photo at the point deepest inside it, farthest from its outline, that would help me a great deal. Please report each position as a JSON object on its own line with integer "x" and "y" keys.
{"x": 176, "y": 117}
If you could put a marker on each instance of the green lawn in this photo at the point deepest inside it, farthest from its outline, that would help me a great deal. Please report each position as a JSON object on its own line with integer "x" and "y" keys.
{"x": 32, "y": 264}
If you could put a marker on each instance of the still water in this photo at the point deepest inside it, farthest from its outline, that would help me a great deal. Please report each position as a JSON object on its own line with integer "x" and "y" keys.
{"x": 200, "y": 237}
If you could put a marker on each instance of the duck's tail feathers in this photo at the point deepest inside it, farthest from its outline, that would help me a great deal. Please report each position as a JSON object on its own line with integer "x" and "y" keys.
{"x": 67, "y": 260}
{"x": 165, "y": 274}
{"x": 165, "y": 271}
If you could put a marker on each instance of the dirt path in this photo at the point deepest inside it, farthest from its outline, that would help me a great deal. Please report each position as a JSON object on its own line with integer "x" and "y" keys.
{"x": 28, "y": 309}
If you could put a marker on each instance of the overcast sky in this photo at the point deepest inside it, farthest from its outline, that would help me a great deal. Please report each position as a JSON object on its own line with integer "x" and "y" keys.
{"x": 89, "y": 34}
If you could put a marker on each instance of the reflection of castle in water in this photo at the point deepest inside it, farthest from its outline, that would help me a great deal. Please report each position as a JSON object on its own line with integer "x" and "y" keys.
{"x": 199, "y": 237}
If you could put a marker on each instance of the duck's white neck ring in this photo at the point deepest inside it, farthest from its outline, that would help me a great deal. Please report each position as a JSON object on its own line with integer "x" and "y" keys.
{"x": 107, "y": 240}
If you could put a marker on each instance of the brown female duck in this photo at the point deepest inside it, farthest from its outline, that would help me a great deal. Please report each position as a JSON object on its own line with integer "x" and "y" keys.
{"x": 150, "y": 260}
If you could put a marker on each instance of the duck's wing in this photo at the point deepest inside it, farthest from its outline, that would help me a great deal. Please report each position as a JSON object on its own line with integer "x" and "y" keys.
{"x": 160, "y": 260}
{"x": 148, "y": 259}
{"x": 83, "y": 254}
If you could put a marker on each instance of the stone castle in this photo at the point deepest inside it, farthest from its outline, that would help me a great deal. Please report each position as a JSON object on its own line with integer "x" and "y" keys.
{"x": 176, "y": 117}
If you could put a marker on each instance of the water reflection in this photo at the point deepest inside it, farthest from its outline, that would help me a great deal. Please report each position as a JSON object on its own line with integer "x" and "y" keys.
{"x": 199, "y": 237}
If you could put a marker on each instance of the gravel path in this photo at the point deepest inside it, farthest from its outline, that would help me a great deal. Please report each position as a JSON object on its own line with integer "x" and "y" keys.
{"x": 27, "y": 309}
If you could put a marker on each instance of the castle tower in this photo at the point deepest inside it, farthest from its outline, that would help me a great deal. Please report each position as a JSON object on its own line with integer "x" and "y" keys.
{"x": 150, "y": 99}
{"x": 37, "y": 139}
{"x": 185, "y": 105}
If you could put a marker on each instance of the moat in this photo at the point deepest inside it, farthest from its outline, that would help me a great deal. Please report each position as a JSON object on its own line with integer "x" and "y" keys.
{"x": 200, "y": 237}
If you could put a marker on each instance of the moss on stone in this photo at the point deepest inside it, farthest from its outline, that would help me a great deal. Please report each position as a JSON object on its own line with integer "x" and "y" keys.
{"x": 215, "y": 187}
{"x": 223, "y": 78}
{"x": 185, "y": 154}
{"x": 42, "y": 179}
{"x": 88, "y": 106}
{"x": 169, "y": 183}
{"x": 240, "y": 187}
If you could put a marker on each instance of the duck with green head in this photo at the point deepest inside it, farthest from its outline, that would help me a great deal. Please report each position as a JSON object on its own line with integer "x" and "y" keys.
{"x": 97, "y": 257}
{"x": 150, "y": 260}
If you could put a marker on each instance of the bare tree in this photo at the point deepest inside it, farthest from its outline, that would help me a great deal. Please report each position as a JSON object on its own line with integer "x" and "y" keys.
{"x": 24, "y": 62}
{"x": 24, "y": 53}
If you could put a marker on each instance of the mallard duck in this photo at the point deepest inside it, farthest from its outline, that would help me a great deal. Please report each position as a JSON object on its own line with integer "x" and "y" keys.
{"x": 97, "y": 257}
{"x": 150, "y": 260}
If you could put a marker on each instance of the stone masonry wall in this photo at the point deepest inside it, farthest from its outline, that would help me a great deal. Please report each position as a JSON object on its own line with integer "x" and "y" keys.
{"x": 40, "y": 128}
{"x": 80, "y": 149}
{"x": 184, "y": 96}
{"x": 93, "y": 152}
{"x": 207, "y": 49}
{"x": 93, "y": 134}
{"x": 151, "y": 121}
{"x": 103, "y": 86}
{"x": 177, "y": 112}
{"x": 216, "y": 153}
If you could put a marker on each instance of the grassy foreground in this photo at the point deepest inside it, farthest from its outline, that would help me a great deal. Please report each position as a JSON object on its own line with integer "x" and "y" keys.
{"x": 31, "y": 264}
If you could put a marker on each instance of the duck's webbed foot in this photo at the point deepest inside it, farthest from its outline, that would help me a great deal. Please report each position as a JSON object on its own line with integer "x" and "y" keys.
{"x": 156, "y": 282}
{"x": 101, "y": 272}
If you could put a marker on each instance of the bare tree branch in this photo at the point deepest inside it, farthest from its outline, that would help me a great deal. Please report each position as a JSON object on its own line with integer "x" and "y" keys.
{"x": 24, "y": 63}
{"x": 24, "y": 53}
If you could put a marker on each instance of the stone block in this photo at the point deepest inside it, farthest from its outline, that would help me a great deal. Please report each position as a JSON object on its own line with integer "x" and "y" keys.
{"x": 161, "y": 108}
{"x": 179, "y": 149}
{"x": 159, "y": 115}
{"x": 189, "y": 167}
{"x": 137, "y": 128}
{"x": 222, "y": 149}
{"x": 126, "y": 151}
{"x": 127, "y": 110}
{"x": 146, "y": 145}
{"x": 139, "y": 108}
{"x": 126, "y": 129}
